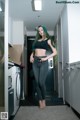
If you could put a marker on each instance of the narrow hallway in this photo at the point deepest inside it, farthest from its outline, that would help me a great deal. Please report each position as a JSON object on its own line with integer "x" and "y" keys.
{"x": 18, "y": 22}
{"x": 55, "y": 110}
{"x": 49, "y": 113}
{"x": 51, "y": 100}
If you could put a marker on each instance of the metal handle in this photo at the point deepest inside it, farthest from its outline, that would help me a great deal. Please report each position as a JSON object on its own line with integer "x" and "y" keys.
{"x": 72, "y": 68}
{"x": 67, "y": 68}
{"x": 67, "y": 63}
{"x": 11, "y": 93}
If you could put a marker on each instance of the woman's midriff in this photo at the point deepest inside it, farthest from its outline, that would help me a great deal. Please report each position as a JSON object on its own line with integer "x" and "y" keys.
{"x": 40, "y": 52}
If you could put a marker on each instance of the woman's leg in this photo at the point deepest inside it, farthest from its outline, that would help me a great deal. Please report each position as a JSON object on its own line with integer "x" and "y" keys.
{"x": 42, "y": 79}
{"x": 40, "y": 73}
{"x": 36, "y": 75}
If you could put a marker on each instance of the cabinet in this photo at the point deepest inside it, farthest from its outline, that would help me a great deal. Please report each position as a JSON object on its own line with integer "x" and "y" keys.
{"x": 75, "y": 86}
{"x": 72, "y": 85}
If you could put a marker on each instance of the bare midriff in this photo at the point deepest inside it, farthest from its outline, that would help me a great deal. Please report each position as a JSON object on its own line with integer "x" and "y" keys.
{"x": 40, "y": 52}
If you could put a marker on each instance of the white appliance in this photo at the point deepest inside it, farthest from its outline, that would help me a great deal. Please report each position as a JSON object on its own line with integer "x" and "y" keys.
{"x": 16, "y": 85}
{"x": 10, "y": 91}
{"x": 10, "y": 66}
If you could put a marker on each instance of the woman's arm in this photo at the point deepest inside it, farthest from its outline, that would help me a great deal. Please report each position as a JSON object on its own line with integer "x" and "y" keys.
{"x": 32, "y": 57}
{"x": 54, "y": 52}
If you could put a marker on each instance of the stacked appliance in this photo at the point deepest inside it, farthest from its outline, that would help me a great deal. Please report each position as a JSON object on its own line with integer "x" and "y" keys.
{"x": 10, "y": 90}
{"x": 16, "y": 86}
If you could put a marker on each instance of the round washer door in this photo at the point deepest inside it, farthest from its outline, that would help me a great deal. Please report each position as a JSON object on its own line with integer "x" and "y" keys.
{"x": 18, "y": 86}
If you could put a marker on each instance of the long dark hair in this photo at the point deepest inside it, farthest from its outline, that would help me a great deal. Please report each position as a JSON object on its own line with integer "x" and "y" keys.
{"x": 38, "y": 36}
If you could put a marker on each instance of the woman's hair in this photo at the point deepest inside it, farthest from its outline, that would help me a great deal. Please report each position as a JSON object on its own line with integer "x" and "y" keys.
{"x": 38, "y": 36}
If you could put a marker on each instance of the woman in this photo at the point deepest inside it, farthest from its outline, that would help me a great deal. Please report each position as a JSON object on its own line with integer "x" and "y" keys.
{"x": 39, "y": 59}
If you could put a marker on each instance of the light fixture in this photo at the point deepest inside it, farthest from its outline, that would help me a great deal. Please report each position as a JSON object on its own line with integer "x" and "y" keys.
{"x": 37, "y": 5}
{"x": 1, "y": 6}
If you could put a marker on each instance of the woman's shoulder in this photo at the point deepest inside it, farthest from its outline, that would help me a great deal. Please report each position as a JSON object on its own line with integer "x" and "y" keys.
{"x": 48, "y": 40}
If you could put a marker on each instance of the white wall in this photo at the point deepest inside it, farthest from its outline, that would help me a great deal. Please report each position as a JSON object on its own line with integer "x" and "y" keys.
{"x": 33, "y": 33}
{"x": 64, "y": 36}
{"x": 74, "y": 32}
{"x": 18, "y": 32}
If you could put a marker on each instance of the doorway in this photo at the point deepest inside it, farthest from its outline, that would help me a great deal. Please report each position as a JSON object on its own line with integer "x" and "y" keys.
{"x": 31, "y": 79}
{"x": 51, "y": 95}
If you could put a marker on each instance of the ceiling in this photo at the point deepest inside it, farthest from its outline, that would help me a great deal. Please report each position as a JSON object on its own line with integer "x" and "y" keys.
{"x": 22, "y": 10}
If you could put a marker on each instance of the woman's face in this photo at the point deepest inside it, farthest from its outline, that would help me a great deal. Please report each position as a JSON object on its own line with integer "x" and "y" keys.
{"x": 41, "y": 31}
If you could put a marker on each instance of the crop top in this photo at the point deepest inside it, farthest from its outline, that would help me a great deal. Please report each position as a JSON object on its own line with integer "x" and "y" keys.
{"x": 41, "y": 45}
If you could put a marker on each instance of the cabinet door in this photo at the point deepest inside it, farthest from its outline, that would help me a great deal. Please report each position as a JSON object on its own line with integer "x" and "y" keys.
{"x": 66, "y": 84}
{"x": 75, "y": 88}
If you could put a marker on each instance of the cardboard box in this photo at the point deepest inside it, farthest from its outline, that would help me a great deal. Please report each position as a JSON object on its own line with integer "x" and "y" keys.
{"x": 15, "y": 54}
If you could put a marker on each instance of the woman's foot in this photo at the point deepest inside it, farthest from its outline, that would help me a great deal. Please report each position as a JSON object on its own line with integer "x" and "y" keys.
{"x": 40, "y": 104}
{"x": 44, "y": 103}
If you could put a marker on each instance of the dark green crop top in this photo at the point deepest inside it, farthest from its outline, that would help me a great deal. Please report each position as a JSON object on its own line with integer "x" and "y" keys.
{"x": 41, "y": 45}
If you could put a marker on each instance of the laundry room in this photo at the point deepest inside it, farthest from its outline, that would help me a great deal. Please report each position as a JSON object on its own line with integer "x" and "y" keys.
{"x": 15, "y": 69}
{"x": 19, "y": 24}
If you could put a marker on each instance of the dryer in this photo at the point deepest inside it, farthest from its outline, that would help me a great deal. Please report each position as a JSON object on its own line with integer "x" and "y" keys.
{"x": 10, "y": 93}
{"x": 16, "y": 85}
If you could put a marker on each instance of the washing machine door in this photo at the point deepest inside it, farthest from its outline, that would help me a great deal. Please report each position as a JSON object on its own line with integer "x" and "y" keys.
{"x": 18, "y": 86}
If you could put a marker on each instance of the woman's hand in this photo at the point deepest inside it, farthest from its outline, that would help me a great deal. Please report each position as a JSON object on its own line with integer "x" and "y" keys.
{"x": 43, "y": 59}
{"x": 31, "y": 58}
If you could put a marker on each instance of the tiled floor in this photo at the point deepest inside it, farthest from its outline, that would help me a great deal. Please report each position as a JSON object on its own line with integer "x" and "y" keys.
{"x": 49, "y": 113}
{"x": 53, "y": 103}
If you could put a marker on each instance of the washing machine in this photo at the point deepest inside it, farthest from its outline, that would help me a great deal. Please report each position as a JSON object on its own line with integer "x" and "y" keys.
{"x": 10, "y": 92}
{"x": 16, "y": 85}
